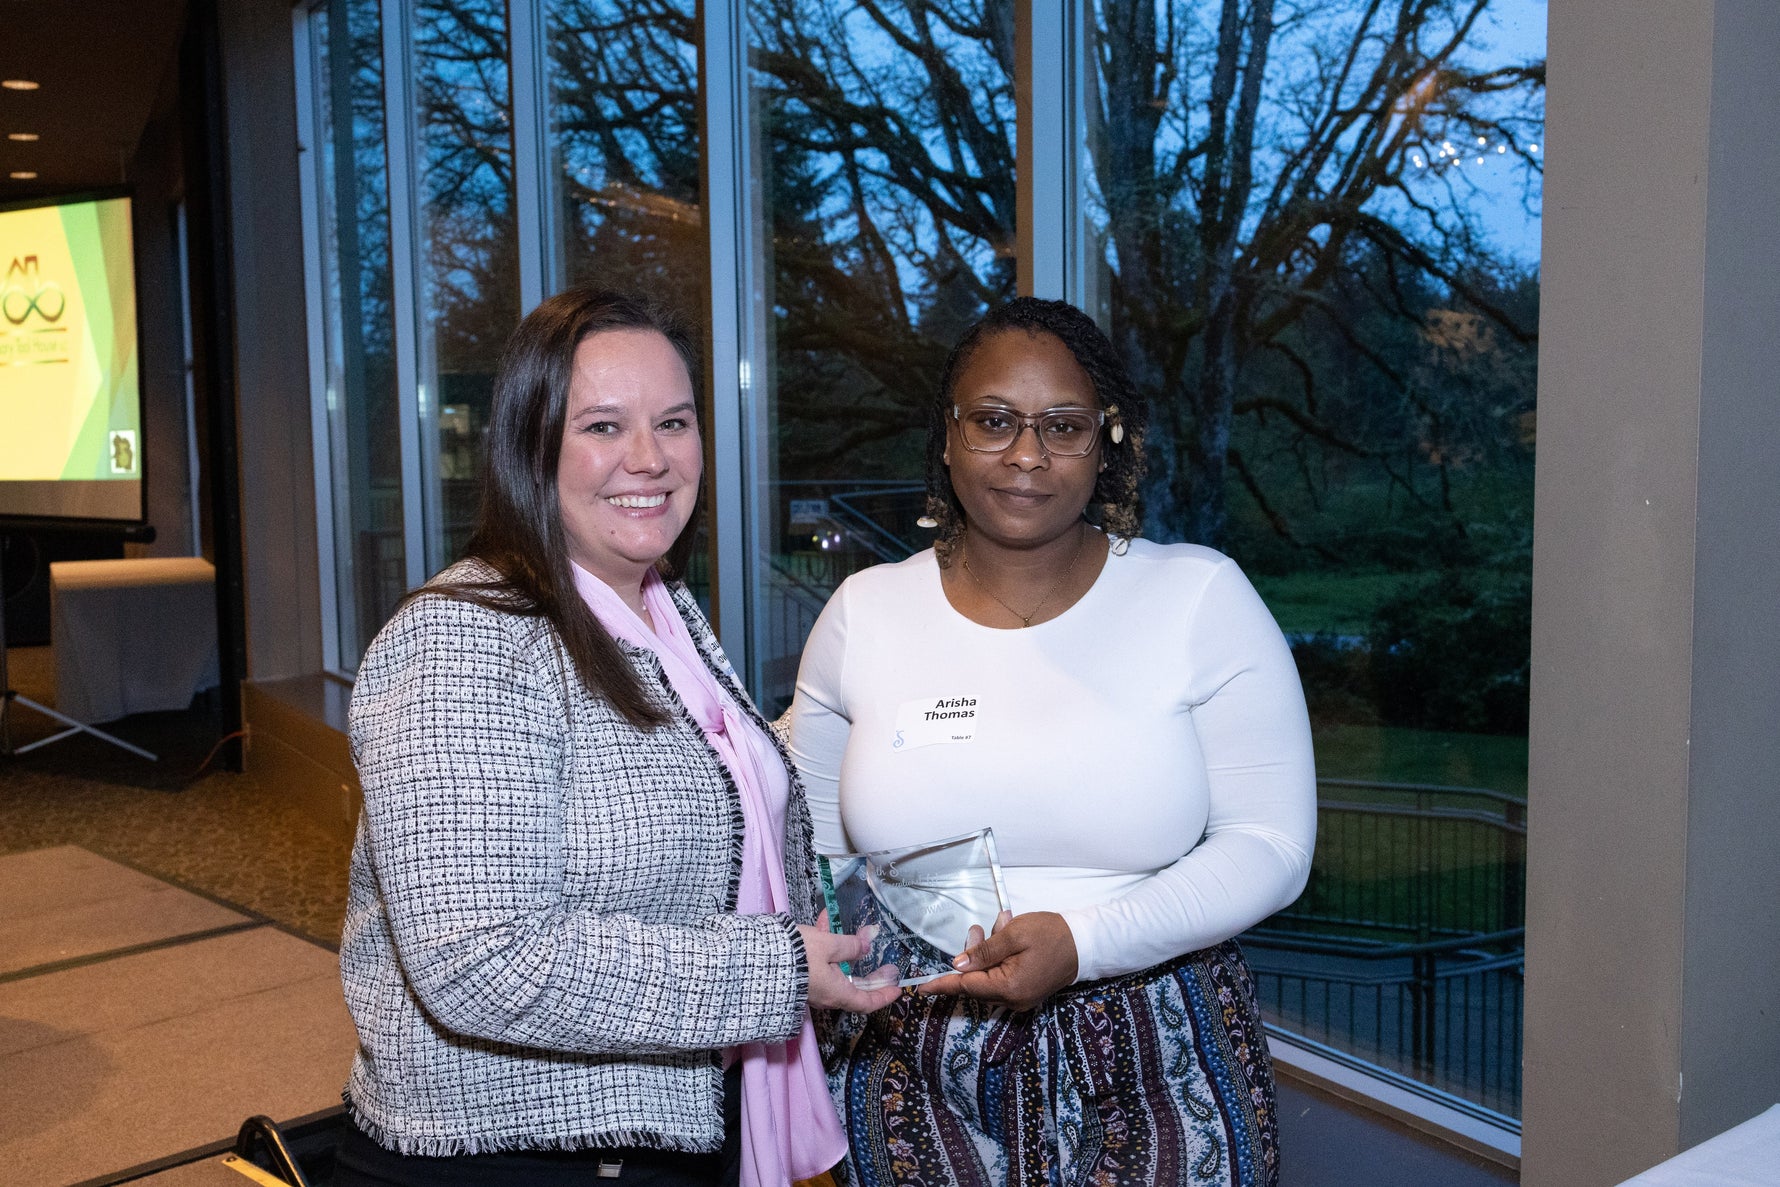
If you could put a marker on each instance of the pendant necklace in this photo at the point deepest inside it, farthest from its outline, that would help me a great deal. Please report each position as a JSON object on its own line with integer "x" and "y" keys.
{"x": 1081, "y": 544}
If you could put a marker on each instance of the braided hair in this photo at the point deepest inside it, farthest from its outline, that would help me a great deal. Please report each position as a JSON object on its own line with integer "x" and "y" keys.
{"x": 1114, "y": 503}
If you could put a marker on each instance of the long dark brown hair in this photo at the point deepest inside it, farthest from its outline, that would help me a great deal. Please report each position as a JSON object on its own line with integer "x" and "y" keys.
{"x": 519, "y": 530}
{"x": 1114, "y": 503}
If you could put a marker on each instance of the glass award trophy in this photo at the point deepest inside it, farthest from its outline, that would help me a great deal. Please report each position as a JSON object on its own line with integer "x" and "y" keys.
{"x": 916, "y": 904}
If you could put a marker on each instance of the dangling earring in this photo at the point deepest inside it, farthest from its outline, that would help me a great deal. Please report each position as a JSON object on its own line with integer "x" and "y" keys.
{"x": 927, "y": 521}
{"x": 1117, "y": 431}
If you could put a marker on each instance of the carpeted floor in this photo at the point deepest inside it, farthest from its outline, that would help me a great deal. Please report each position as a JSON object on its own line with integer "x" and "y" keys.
{"x": 225, "y": 835}
{"x": 139, "y": 1021}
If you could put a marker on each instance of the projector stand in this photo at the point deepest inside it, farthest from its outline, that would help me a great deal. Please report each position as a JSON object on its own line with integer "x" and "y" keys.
{"x": 8, "y": 696}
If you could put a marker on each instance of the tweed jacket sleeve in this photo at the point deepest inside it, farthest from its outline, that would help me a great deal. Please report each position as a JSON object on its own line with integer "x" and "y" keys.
{"x": 552, "y": 877}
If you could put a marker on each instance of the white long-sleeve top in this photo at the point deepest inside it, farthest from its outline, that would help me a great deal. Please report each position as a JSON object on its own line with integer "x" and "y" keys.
{"x": 1144, "y": 758}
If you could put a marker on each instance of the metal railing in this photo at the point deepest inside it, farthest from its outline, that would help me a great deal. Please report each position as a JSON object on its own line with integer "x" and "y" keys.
{"x": 1406, "y": 947}
{"x": 1417, "y": 860}
{"x": 882, "y": 519}
{"x": 869, "y": 523}
{"x": 801, "y": 585}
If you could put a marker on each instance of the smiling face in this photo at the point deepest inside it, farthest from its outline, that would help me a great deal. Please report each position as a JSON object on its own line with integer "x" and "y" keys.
{"x": 628, "y": 476}
{"x": 1022, "y": 496}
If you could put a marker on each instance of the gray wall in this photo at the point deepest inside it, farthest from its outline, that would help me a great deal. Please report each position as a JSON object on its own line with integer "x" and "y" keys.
{"x": 156, "y": 175}
{"x": 1730, "y": 1031}
{"x": 271, "y": 357}
{"x": 1653, "y": 920}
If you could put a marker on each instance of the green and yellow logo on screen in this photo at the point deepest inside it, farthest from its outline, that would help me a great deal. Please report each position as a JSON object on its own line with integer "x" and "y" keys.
{"x": 69, "y": 382}
{"x": 26, "y": 294}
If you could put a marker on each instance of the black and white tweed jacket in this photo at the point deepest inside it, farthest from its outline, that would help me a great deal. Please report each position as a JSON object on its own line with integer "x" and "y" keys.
{"x": 541, "y": 949}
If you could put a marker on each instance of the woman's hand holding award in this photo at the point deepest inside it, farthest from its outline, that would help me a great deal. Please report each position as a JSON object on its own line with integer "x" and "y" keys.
{"x": 916, "y": 905}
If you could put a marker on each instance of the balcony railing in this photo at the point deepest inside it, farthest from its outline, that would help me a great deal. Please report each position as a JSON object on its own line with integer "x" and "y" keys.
{"x": 1406, "y": 947}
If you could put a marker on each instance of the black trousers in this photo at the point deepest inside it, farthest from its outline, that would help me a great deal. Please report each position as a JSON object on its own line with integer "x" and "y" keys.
{"x": 361, "y": 1162}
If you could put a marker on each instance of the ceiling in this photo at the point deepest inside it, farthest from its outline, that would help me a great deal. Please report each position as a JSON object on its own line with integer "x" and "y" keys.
{"x": 101, "y": 66}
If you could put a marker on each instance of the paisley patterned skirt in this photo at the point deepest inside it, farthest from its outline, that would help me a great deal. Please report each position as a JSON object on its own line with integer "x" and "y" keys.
{"x": 1157, "y": 1077}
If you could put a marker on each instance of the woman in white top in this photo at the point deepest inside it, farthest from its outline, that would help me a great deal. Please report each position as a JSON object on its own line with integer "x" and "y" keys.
{"x": 1136, "y": 738}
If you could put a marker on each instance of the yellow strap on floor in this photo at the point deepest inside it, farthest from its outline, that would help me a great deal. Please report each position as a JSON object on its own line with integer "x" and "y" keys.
{"x": 243, "y": 1167}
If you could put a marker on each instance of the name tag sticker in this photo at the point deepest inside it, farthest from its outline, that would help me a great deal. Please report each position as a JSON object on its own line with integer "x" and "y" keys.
{"x": 935, "y": 721}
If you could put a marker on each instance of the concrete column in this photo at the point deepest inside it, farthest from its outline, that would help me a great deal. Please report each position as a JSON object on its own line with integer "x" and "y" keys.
{"x": 278, "y": 522}
{"x": 1653, "y": 961}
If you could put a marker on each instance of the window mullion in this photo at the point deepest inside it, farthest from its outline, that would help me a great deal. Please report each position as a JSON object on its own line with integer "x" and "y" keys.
{"x": 398, "y": 109}
{"x": 736, "y": 355}
{"x": 1045, "y": 147}
{"x": 310, "y": 127}
{"x": 1083, "y": 266}
{"x": 539, "y": 241}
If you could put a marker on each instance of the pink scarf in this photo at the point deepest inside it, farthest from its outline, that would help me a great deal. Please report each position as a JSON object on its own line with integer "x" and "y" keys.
{"x": 789, "y": 1128}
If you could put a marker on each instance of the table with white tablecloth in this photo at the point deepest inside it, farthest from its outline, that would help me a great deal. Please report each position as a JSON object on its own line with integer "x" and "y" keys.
{"x": 1746, "y": 1156}
{"x": 132, "y": 636}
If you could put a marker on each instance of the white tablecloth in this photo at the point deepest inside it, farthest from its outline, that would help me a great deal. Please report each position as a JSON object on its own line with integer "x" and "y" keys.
{"x": 132, "y": 636}
{"x": 1747, "y": 1156}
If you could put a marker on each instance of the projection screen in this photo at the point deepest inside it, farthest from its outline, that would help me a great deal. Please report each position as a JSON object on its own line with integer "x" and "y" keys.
{"x": 70, "y": 376}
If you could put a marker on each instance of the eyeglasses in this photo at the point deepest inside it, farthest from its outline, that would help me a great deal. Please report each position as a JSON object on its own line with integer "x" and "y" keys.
{"x": 1061, "y": 432}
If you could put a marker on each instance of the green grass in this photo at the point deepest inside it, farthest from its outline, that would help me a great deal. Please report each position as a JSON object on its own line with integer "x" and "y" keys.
{"x": 1400, "y": 873}
{"x": 1343, "y": 603}
{"x": 1477, "y": 900}
{"x": 1393, "y": 755}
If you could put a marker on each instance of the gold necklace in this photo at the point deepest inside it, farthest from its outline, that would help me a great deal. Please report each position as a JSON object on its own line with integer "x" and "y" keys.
{"x": 1081, "y": 545}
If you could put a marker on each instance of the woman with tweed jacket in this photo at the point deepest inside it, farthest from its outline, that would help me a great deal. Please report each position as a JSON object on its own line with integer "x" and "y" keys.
{"x": 582, "y": 939}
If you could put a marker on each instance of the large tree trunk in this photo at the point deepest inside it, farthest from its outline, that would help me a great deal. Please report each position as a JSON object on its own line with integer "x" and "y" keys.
{"x": 1243, "y": 41}
{"x": 1136, "y": 65}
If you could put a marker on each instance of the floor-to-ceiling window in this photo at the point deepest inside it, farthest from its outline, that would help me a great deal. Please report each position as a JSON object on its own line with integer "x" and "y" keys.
{"x": 1311, "y": 229}
{"x": 360, "y": 445}
{"x": 623, "y": 206}
{"x": 883, "y": 132}
{"x": 1318, "y": 250}
{"x": 624, "y": 143}
{"x": 466, "y": 267}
